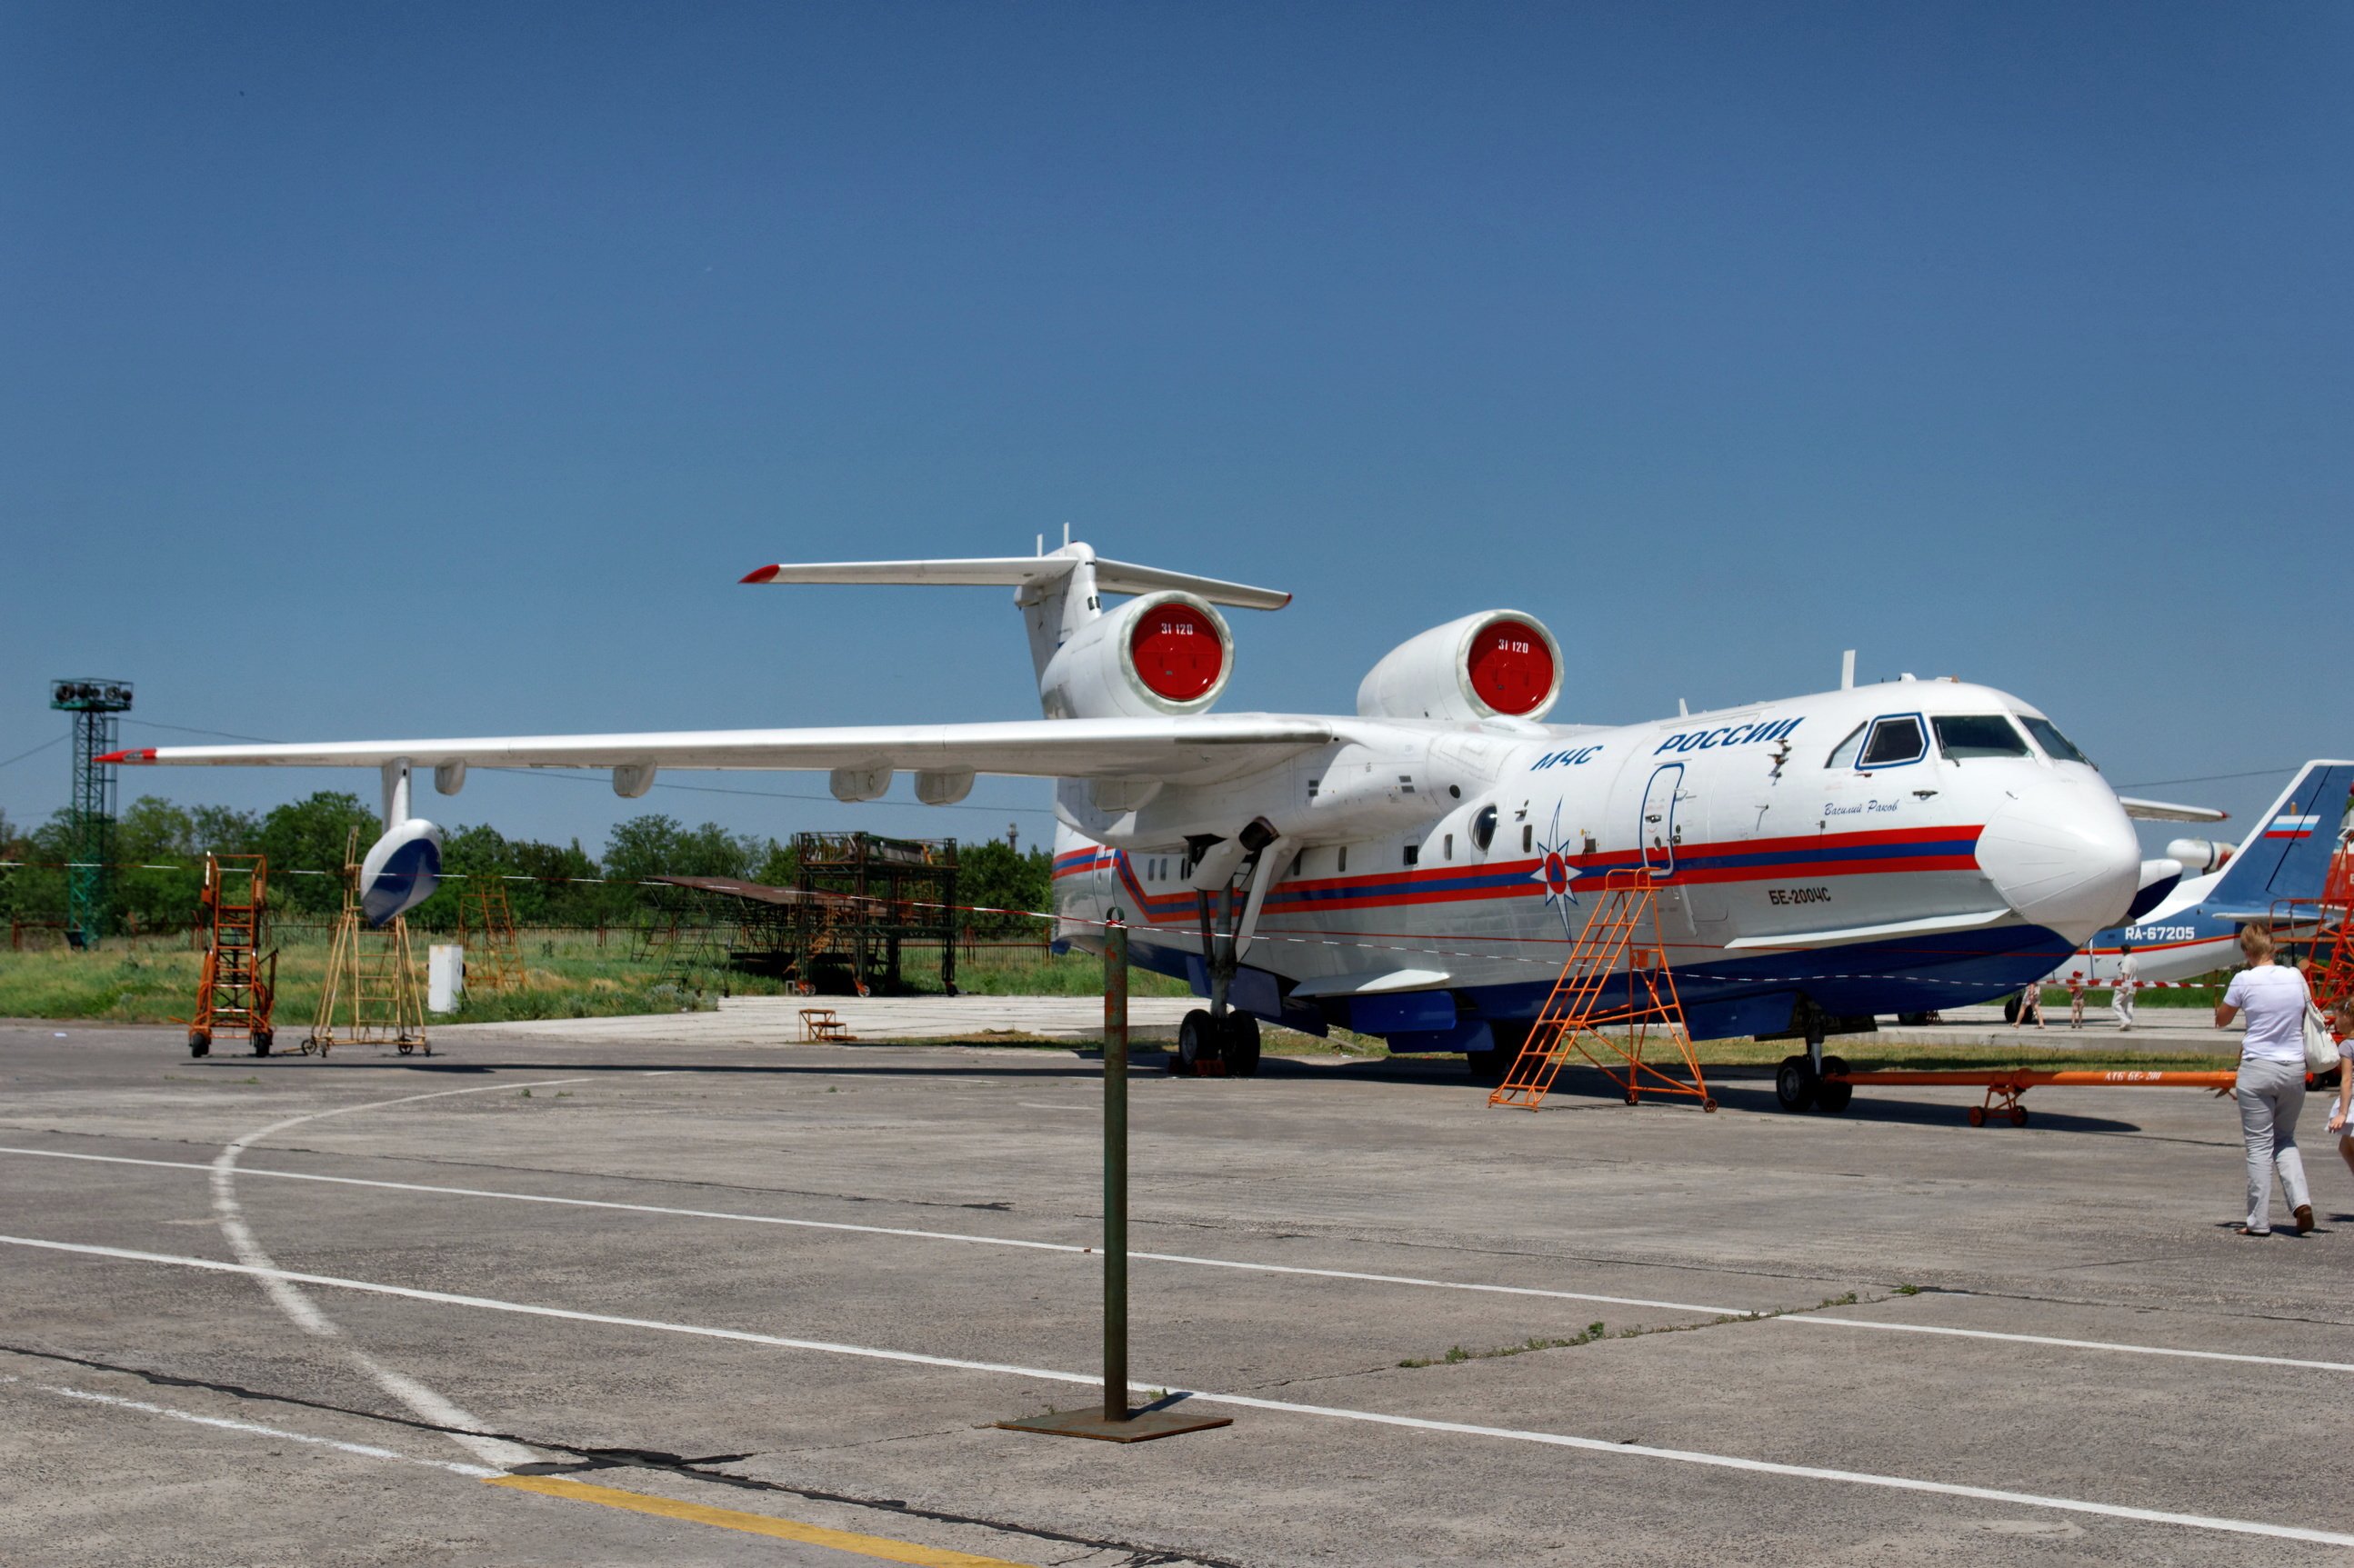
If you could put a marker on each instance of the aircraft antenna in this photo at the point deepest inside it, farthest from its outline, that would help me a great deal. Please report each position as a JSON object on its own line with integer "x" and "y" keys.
{"x": 1847, "y": 671}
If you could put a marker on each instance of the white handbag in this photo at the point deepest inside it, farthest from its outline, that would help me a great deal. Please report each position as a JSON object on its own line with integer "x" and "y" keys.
{"x": 2320, "y": 1046}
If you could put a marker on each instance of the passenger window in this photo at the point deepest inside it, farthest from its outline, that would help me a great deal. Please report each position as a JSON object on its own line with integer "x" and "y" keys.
{"x": 1961, "y": 737}
{"x": 1413, "y": 853}
{"x": 1892, "y": 742}
{"x": 2055, "y": 745}
{"x": 1483, "y": 828}
{"x": 1528, "y": 839}
{"x": 1447, "y": 850}
{"x": 1843, "y": 754}
{"x": 1342, "y": 859}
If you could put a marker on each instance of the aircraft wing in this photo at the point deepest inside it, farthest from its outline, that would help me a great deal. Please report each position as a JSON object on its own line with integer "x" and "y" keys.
{"x": 1208, "y": 746}
{"x": 2162, "y": 811}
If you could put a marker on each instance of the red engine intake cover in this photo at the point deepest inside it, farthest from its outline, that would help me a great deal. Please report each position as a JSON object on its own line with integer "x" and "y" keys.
{"x": 1511, "y": 667}
{"x": 1177, "y": 652}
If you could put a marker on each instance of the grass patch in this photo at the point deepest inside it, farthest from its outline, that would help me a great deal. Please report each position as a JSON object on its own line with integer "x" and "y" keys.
{"x": 1456, "y": 1354}
{"x": 153, "y": 980}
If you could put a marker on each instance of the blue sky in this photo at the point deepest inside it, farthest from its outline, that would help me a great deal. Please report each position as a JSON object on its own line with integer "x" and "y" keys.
{"x": 437, "y": 369}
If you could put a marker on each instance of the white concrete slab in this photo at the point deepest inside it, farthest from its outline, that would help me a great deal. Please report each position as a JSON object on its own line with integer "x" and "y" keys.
{"x": 754, "y": 1020}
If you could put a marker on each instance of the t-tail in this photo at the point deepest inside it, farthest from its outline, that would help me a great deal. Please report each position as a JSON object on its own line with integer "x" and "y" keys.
{"x": 2287, "y": 850}
{"x": 1165, "y": 651}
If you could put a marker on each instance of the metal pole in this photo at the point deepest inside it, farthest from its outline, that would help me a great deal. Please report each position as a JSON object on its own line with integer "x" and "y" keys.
{"x": 1115, "y": 1236}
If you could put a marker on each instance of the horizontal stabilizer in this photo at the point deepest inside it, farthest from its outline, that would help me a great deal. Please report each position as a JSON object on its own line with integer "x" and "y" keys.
{"x": 1015, "y": 571}
{"x": 2163, "y": 811}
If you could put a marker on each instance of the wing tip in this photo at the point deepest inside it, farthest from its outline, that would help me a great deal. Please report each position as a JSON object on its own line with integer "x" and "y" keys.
{"x": 135, "y": 755}
{"x": 761, "y": 575}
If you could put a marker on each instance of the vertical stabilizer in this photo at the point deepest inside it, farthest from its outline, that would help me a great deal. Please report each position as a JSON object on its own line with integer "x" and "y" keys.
{"x": 2288, "y": 848}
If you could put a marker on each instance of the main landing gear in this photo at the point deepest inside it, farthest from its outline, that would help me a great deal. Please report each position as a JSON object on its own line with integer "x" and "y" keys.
{"x": 1800, "y": 1086}
{"x": 1207, "y": 1048}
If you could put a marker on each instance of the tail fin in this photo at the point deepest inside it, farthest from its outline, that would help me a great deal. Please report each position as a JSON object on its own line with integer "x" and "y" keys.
{"x": 2287, "y": 850}
{"x": 1058, "y": 591}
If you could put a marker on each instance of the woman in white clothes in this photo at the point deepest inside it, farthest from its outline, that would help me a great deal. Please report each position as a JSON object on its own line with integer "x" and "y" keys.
{"x": 2272, "y": 1080}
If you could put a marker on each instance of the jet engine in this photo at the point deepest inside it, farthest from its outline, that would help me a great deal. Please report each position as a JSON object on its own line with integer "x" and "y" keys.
{"x": 1159, "y": 653}
{"x": 2198, "y": 857}
{"x": 401, "y": 870}
{"x": 1498, "y": 663}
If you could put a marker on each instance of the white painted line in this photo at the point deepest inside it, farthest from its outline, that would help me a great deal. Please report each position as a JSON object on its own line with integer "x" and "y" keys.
{"x": 421, "y": 1401}
{"x": 967, "y": 1238}
{"x": 970, "y": 1238}
{"x": 365, "y": 1450}
{"x": 2122, "y": 1348}
{"x": 1287, "y": 1407}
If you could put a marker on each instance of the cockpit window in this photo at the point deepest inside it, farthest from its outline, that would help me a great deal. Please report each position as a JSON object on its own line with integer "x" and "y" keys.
{"x": 1893, "y": 740}
{"x": 2055, "y": 745}
{"x": 1964, "y": 736}
{"x": 1843, "y": 754}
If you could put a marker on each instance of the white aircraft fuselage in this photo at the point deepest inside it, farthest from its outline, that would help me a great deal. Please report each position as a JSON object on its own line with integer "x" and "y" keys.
{"x": 1426, "y": 877}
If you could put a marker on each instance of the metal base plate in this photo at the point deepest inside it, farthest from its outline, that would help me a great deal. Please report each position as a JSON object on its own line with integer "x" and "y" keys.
{"x": 1141, "y": 1427}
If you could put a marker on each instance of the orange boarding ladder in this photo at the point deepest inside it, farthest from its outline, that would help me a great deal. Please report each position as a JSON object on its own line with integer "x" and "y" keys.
{"x": 238, "y": 982}
{"x": 487, "y": 924}
{"x": 2332, "y": 941}
{"x": 1588, "y": 1016}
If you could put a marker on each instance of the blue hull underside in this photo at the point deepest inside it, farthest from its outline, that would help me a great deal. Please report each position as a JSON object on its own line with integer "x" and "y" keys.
{"x": 1736, "y": 995}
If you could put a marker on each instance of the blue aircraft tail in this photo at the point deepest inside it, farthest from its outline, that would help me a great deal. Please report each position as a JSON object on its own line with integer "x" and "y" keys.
{"x": 2287, "y": 850}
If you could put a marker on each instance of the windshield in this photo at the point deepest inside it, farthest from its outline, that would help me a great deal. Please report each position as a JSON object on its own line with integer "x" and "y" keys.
{"x": 1894, "y": 741}
{"x": 1964, "y": 736}
{"x": 2055, "y": 745}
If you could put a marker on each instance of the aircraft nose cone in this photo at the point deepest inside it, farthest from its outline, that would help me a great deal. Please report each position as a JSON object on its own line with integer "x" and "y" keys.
{"x": 2062, "y": 855}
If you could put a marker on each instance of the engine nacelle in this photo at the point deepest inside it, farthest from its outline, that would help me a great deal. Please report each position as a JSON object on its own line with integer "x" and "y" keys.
{"x": 1498, "y": 663}
{"x": 2199, "y": 856}
{"x": 1160, "y": 654}
{"x": 401, "y": 870}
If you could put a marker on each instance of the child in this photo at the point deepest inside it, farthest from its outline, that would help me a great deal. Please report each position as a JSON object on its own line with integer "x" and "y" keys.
{"x": 2075, "y": 998}
{"x": 2030, "y": 1004}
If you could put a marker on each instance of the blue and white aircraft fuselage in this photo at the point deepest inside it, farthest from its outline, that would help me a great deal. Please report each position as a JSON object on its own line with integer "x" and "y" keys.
{"x": 2195, "y": 929}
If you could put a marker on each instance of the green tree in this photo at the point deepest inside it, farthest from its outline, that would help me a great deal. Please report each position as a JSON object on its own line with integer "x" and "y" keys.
{"x": 153, "y": 832}
{"x": 310, "y": 835}
{"x": 991, "y": 874}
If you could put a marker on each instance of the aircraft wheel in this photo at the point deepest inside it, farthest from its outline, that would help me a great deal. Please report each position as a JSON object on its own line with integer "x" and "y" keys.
{"x": 2018, "y": 1115}
{"x": 1795, "y": 1084}
{"x": 1832, "y": 1097}
{"x": 262, "y": 1041}
{"x": 199, "y": 1043}
{"x": 2010, "y": 1006}
{"x": 1978, "y": 1116}
{"x": 1197, "y": 1042}
{"x": 406, "y": 1047}
{"x": 1241, "y": 1044}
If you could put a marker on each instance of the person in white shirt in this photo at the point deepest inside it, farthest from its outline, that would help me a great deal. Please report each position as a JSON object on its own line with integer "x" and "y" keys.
{"x": 2128, "y": 980}
{"x": 2271, "y": 1088}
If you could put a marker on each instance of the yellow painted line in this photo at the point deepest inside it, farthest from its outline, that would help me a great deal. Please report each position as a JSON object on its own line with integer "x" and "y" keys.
{"x": 753, "y": 1523}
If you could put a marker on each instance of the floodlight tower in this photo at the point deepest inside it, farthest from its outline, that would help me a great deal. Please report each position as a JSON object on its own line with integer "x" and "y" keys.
{"x": 89, "y": 879}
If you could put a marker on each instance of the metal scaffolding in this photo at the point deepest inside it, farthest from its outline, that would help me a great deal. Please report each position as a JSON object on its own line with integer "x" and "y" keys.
{"x": 873, "y": 897}
{"x": 89, "y": 875}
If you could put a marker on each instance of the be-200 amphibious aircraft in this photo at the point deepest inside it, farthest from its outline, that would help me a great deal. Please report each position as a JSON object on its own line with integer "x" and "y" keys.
{"x": 1413, "y": 870}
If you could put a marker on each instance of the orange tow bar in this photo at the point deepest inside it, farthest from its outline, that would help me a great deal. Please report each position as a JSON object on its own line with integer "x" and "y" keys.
{"x": 2004, "y": 1085}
